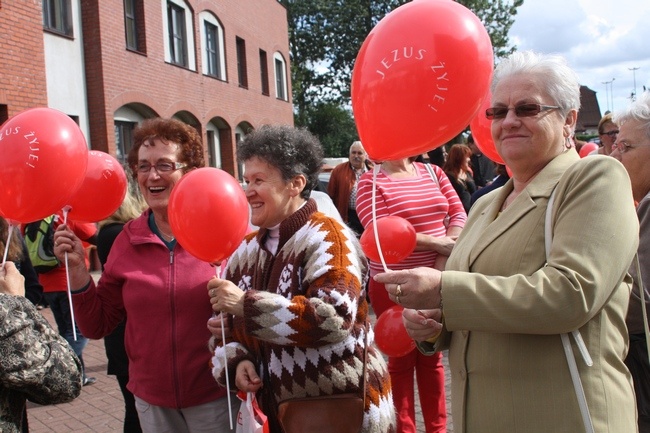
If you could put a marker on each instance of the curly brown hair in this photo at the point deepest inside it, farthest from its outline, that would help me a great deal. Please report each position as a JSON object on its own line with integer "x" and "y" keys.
{"x": 169, "y": 131}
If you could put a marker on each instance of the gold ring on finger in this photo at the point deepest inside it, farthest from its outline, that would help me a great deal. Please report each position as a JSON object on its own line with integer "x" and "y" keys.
{"x": 398, "y": 292}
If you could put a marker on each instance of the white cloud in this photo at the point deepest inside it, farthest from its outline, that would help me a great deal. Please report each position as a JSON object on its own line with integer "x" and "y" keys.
{"x": 601, "y": 39}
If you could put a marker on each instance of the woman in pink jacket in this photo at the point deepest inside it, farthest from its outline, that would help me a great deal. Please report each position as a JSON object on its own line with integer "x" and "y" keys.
{"x": 160, "y": 287}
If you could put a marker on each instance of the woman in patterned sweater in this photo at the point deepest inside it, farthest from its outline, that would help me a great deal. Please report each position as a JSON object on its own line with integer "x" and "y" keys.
{"x": 295, "y": 290}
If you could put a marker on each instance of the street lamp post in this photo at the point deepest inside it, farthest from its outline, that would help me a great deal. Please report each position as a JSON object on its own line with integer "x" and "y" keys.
{"x": 634, "y": 69}
{"x": 607, "y": 83}
{"x": 611, "y": 91}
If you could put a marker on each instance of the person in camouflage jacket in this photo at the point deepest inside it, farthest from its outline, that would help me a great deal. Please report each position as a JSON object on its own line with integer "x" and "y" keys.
{"x": 36, "y": 363}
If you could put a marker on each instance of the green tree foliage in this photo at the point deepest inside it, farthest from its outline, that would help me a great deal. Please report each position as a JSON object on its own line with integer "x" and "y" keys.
{"x": 326, "y": 35}
{"x": 334, "y": 126}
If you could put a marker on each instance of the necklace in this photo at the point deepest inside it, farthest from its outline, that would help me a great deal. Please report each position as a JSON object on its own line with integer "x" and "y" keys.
{"x": 167, "y": 237}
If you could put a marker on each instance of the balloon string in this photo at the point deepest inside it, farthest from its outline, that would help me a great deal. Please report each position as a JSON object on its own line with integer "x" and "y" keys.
{"x": 225, "y": 358}
{"x": 66, "y": 209}
{"x": 4, "y": 256}
{"x": 375, "y": 170}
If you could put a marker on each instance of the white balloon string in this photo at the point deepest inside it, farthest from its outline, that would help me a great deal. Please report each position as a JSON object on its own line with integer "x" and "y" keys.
{"x": 66, "y": 209}
{"x": 225, "y": 358}
{"x": 375, "y": 170}
{"x": 4, "y": 256}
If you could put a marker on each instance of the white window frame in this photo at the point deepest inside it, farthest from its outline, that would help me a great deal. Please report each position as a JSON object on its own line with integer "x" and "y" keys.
{"x": 221, "y": 60}
{"x": 189, "y": 27}
{"x": 280, "y": 81}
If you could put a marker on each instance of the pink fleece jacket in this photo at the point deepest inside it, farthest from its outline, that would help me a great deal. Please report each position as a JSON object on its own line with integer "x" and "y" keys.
{"x": 164, "y": 295}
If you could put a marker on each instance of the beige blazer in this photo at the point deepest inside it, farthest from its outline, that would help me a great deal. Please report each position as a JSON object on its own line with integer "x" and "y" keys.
{"x": 504, "y": 308}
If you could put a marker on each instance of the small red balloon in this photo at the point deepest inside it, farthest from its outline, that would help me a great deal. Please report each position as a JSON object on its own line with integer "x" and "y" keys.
{"x": 208, "y": 213}
{"x": 102, "y": 191}
{"x": 481, "y": 128}
{"x": 43, "y": 159}
{"x": 587, "y": 148}
{"x": 419, "y": 78}
{"x": 390, "y": 334}
{"x": 397, "y": 239}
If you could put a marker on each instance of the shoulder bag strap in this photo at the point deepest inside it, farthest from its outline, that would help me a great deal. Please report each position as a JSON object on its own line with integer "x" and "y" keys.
{"x": 566, "y": 343}
{"x": 432, "y": 173}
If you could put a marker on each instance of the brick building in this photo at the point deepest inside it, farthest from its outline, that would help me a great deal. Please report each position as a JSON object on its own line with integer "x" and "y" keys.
{"x": 220, "y": 66}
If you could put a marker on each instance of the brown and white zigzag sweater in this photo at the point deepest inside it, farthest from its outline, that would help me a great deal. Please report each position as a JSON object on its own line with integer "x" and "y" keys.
{"x": 304, "y": 318}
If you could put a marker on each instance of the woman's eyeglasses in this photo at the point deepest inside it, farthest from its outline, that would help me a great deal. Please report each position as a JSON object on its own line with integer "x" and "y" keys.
{"x": 612, "y": 134}
{"x": 160, "y": 167}
{"x": 624, "y": 146}
{"x": 521, "y": 110}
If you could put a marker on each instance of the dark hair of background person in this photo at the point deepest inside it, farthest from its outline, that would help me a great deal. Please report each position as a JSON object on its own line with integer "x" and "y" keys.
{"x": 293, "y": 151}
{"x": 437, "y": 156}
{"x": 191, "y": 150}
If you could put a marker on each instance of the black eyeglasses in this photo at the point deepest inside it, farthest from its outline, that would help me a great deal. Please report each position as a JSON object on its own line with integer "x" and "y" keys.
{"x": 160, "y": 167}
{"x": 521, "y": 110}
{"x": 612, "y": 134}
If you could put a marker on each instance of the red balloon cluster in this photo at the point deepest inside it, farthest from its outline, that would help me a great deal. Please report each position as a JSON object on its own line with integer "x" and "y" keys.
{"x": 102, "y": 191}
{"x": 397, "y": 239}
{"x": 419, "y": 78}
{"x": 390, "y": 334}
{"x": 44, "y": 158}
{"x": 208, "y": 213}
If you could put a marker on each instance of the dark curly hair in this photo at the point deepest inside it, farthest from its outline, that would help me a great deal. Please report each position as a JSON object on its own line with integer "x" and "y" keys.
{"x": 168, "y": 130}
{"x": 291, "y": 150}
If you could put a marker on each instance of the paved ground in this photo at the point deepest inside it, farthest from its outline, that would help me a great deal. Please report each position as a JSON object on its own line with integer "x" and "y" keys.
{"x": 99, "y": 408}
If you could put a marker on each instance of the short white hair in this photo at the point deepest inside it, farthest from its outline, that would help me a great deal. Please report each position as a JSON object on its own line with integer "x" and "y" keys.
{"x": 638, "y": 110}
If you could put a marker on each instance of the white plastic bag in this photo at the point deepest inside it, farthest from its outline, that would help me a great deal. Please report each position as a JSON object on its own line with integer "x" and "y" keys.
{"x": 250, "y": 418}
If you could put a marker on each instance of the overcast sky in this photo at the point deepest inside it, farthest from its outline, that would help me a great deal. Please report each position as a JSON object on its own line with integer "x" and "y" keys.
{"x": 601, "y": 39}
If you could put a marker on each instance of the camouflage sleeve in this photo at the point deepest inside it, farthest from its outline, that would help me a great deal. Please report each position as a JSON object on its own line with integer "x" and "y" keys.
{"x": 34, "y": 359}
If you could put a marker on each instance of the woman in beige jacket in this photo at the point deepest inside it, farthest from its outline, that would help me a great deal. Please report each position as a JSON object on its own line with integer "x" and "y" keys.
{"x": 504, "y": 300}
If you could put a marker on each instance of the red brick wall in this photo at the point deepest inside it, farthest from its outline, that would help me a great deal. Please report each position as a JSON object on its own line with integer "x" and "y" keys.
{"x": 22, "y": 60}
{"x": 117, "y": 76}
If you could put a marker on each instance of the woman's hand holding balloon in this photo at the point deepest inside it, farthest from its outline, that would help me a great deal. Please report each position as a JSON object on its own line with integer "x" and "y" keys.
{"x": 413, "y": 288}
{"x": 422, "y": 325}
{"x": 67, "y": 243}
{"x": 215, "y": 323}
{"x": 225, "y": 296}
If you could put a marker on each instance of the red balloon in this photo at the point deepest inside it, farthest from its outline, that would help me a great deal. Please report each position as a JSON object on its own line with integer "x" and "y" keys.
{"x": 587, "y": 148}
{"x": 208, "y": 213}
{"x": 43, "y": 159}
{"x": 102, "y": 191}
{"x": 419, "y": 78}
{"x": 397, "y": 239}
{"x": 390, "y": 334}
{"x": 481, "y": 128}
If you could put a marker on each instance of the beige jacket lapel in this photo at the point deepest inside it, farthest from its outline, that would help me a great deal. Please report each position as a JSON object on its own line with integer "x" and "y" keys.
{"x": 536, "y": 194}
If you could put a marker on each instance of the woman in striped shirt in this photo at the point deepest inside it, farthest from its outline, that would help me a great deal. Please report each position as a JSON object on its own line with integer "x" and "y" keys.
{"x": 423, "y": 195}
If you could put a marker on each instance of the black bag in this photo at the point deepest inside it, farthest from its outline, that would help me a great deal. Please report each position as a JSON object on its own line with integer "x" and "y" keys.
{"x": 639, "y": 366}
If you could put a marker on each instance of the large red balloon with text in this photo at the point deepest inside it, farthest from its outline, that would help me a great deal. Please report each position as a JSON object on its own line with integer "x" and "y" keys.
{"x": 102, "y": 191}
{"x": 208, "y": 213}
{"x": 481, "y": 128}
{"x": 43, "y": 160}
{"x": 390, "y": 334}
{"x": 397, "y": 239}
{"x": 419, "y": 78}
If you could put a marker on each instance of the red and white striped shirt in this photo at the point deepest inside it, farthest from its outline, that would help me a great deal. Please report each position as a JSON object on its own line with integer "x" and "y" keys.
{"x": 419, "y": 200}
